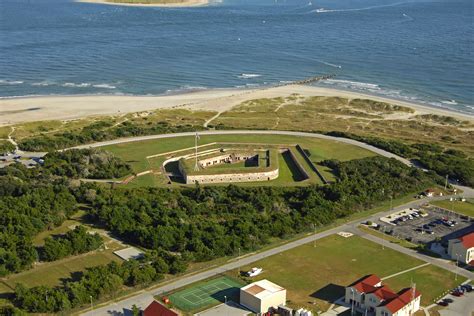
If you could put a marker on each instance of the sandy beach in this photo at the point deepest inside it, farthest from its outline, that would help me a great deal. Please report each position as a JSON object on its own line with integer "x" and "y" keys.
{"x": 29, "y": 109}
{"x": 186, "y": 3}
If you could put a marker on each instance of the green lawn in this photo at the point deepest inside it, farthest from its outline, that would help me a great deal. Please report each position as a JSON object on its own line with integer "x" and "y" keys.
{"x": 465, "y": 208}
{"x": 317, "y": 273}
{"x": 431, "y": 281}
{"x": 52, "y": 273}
{"x": 135, "y": 153}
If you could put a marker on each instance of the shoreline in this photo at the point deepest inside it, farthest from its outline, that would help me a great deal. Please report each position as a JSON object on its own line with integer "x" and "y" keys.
{"x": 68, "y": 107}
{"x": 185, "y": 4}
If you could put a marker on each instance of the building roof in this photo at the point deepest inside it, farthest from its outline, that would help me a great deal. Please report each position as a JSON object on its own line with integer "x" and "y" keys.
{"x": 403, "y": 298}
{"x": 157, "y": 309}
{"x": 367, "y": 284}
{"x": 384, "y": 293}
{"x": 262, "y": 289}
{"x": 372, "y": 284}
{"x": 467, "y": 240}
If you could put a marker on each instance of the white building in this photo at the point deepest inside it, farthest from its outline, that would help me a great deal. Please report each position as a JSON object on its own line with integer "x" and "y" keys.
{"x": 369, "y": 295}
{"x": 462, "y": 248}
{"x": 262, "y": 295}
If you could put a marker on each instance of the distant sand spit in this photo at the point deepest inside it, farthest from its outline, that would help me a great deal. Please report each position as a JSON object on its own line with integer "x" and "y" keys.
{"x": 186, "y": 3}
{"x": 29, "y": 109}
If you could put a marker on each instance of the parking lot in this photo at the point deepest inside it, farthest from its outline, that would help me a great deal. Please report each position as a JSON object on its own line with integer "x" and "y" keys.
{"x": 437, "y": 223}
{"x": 29, "y": 160}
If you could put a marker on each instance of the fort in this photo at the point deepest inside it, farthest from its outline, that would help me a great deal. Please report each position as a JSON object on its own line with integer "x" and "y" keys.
{"x": 231, "y": 165}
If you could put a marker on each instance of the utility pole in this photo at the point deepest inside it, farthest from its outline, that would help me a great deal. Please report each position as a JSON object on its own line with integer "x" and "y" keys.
{"x": 196, "y": 166}
{"x": 446, "y": 183}
{"x": 314, "y": 241}
{"x": 383, "y": 238}
{"x": 238, "y": 268}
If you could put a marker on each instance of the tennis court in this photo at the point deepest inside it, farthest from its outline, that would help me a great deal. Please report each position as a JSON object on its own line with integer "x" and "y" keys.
{"x": 206, "y": 294}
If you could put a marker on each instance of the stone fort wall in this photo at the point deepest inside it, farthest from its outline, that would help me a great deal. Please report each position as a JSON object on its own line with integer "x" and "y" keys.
{"x": 230, "y": 177}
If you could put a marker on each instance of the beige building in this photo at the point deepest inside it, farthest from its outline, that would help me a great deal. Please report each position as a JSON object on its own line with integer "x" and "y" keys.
{"x": 262, "y": 295}
{"x": 370, "y": 297}
{"x": 462, "y": 248}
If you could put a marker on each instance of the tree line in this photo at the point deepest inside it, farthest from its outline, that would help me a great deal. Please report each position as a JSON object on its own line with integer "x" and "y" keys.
{"x": 86, "y": 163}
{"x": 446, "y": 162}
{"x": 74, "y": 242}
{"x": 96, "y": 283}
{"x": 98, "y": 132}
{"x": 177, "y": 226}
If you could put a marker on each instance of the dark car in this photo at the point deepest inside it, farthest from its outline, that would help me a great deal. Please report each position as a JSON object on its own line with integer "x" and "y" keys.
{"x": 467, "y": 287}
{"x": 426, "y": 226}
{"x": 443, "y": 303}
{"x": 448, "y": 300}
{"x": 457, "y": 293}
{"x": 429, "y": 232}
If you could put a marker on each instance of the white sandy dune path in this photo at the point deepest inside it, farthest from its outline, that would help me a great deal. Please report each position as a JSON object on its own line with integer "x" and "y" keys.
{"x": 29, "y": 109}
{"x": 187, "y": 3}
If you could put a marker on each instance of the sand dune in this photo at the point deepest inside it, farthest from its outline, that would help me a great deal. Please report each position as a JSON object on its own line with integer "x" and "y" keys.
{"x": 28, "y": 109}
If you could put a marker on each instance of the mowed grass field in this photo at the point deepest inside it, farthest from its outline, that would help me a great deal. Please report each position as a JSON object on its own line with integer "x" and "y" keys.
{"x": 315, "y": 274}
{"x": 465, "y": 208}
{"x": 54, "y": 273}
{"x": 431, "y": 281}
{"x": 135, "y": 153}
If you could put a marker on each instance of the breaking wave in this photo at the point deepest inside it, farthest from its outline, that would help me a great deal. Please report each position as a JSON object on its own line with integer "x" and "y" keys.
{"x": 249, "y": 76}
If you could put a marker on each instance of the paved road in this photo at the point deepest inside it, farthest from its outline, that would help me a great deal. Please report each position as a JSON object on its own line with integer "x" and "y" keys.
{"x": 143, "y": 298}
{"x": 251, "y": 132}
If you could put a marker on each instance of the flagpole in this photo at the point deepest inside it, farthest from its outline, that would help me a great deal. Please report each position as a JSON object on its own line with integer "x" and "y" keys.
{"x": 196, "y": 166}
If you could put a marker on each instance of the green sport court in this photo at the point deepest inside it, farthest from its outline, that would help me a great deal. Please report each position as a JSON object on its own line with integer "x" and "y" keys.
{"x": 206, "y": 294}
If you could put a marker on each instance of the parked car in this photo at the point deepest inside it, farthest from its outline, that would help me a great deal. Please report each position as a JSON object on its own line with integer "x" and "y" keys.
{"x": 457, "y": 293}
{"x": 467, "y": 287}
{"x": 429, "y": 232}
{"x": 448, "y": 300}
{"x": 426, "y": 226}
{"x": 443, "y": 303}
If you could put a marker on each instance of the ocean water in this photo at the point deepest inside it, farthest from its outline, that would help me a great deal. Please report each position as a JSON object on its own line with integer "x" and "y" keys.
{"x": 416, "y": 50}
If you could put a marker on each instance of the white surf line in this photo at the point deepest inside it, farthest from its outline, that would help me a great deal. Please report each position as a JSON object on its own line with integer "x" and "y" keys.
{"x": 358, "y": 9}
{"x": 405, "y": 271}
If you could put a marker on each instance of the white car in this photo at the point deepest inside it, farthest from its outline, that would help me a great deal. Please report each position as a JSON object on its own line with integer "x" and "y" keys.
{"x": 254, "y": 272}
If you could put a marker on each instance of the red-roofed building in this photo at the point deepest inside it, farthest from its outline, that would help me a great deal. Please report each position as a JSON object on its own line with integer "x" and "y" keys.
{"x": 368, "y": 294}
{"x": 157, "y": 309}
{"x": 462, "y": 248}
